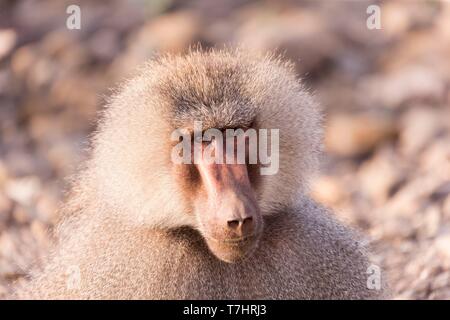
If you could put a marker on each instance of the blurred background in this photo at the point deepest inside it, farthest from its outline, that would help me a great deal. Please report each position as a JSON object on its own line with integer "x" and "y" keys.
{"x": 385, "y": 93}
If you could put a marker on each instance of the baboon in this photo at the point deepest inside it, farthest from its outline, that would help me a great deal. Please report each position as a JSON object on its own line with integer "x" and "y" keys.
{"x": 139, "y": 226}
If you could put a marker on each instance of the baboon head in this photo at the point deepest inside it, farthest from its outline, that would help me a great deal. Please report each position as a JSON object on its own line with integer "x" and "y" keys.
{"x": 221, "y": 91}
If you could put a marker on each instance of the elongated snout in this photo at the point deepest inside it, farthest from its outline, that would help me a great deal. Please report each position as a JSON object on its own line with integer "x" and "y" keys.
{"x": 230, "y": 217}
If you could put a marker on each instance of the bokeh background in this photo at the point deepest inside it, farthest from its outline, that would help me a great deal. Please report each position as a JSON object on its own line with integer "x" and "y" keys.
{"x": 385, "y": 94}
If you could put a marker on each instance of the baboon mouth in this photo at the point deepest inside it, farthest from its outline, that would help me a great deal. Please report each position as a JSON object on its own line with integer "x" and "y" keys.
{"x": 235, "y": 241}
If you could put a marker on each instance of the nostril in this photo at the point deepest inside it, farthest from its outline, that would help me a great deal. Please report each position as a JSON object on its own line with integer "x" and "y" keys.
{"x": 233, "y": 224}
{"x": 247, "y": 221}
{"x": 247, "y": 226}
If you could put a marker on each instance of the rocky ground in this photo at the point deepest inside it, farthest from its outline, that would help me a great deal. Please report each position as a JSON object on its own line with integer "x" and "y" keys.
{"x": 385, "y": 94}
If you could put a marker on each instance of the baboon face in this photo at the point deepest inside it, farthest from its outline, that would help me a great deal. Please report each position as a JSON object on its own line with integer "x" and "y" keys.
{"x": 222, "y": 195}
{"x": 225, "y": 202}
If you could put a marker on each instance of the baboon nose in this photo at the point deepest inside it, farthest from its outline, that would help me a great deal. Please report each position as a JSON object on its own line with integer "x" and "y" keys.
{"x": 241, "y": 226}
